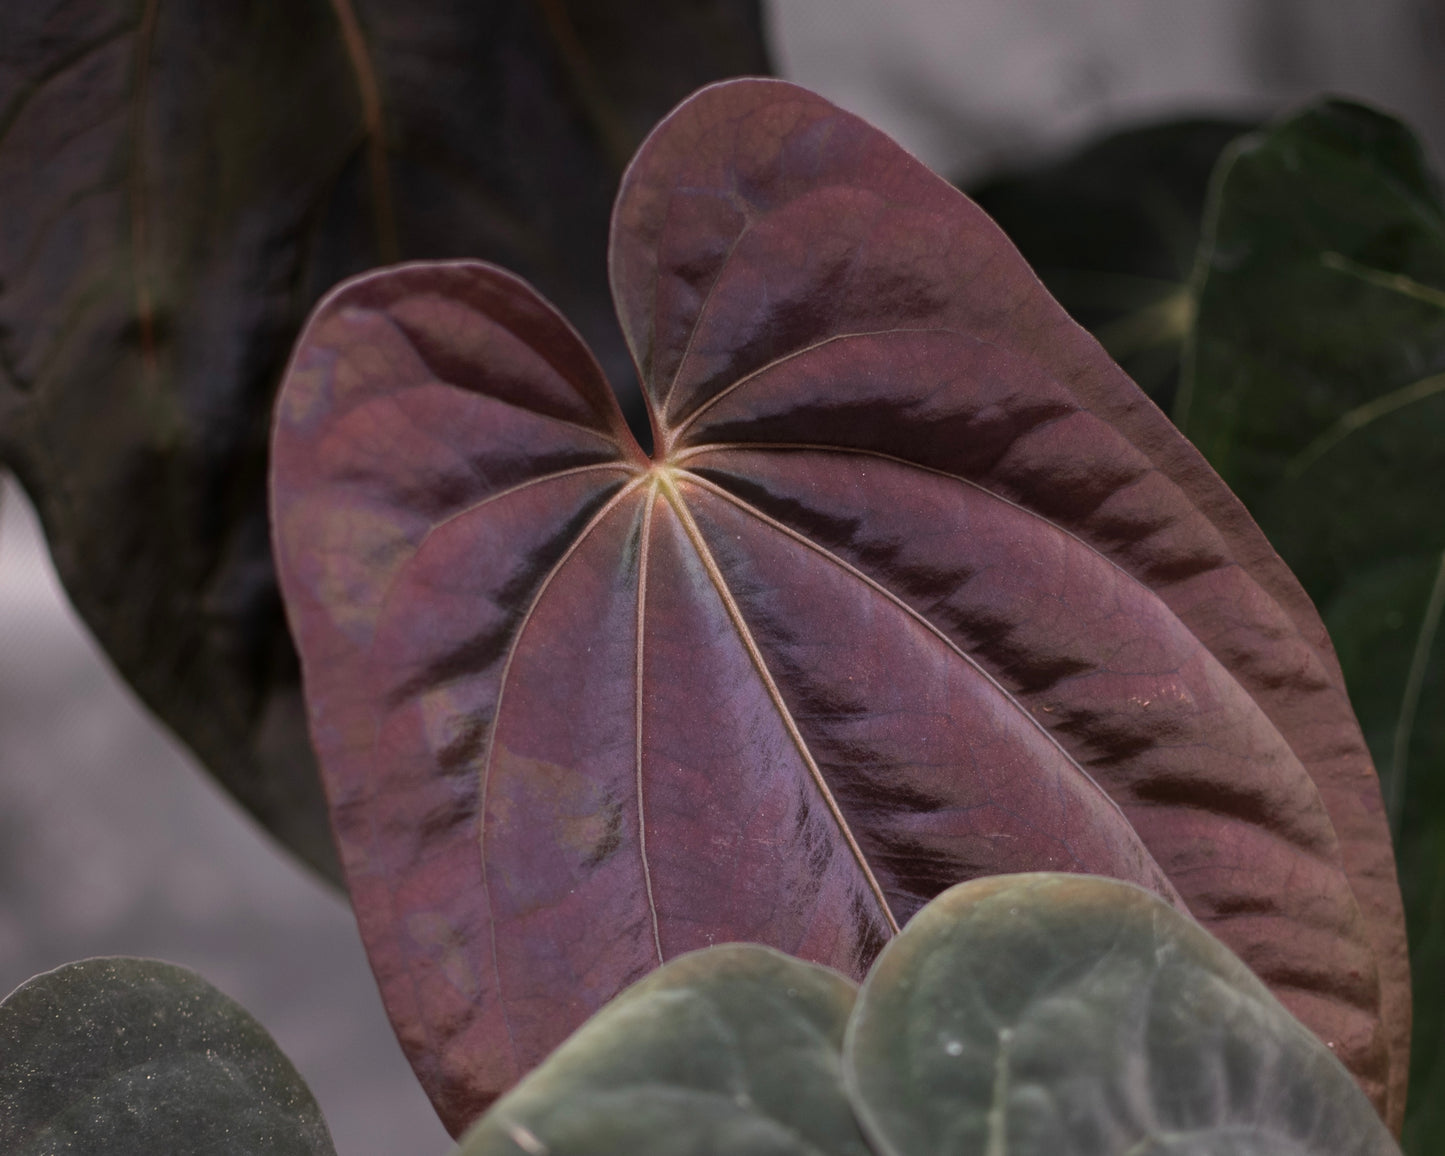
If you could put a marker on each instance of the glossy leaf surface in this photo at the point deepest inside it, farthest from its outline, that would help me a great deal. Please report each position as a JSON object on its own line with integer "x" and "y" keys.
{"x": 1049, "y": 1015}
{"x": 133, "y": 1057}
{"x": 918, "y": 587}
{"x": 732, "y": 1050}
{"x": 179, "y": 182}
{"x": 1112, "y": 232}
{"x": 1318, "y": 391}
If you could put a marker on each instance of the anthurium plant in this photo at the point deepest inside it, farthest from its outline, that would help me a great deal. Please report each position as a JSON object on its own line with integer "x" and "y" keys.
{"x": 913, "y": 586}
{"x": 916, "y": 586}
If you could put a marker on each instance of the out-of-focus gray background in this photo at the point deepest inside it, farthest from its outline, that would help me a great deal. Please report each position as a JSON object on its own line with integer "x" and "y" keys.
{"x": 111, "y": 842}
{"x": 972, "y": 84}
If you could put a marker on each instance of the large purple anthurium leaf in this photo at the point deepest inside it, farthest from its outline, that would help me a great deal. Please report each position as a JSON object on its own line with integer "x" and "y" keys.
{"x": 917, "y": 587}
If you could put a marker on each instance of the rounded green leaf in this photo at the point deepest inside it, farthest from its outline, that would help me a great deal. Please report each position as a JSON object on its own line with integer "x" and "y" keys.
{"x": 728, "y": 1050}
{"x": 120, "y": 1056}
{"x": 1066, "y": 1015}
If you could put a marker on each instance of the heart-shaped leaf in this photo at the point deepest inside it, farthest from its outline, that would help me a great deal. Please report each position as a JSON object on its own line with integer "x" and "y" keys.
{"x": 1052, "y": 1015}
{"x": 1317, "y": 387}
{"x": 729, "y": 1050}
{"x": 917, "y": 587}
{"x": 135, "y": 1056}
{"x": 179, "y": 183}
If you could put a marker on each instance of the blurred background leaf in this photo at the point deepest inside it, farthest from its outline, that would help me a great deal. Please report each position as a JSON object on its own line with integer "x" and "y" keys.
{"x": 1112, "y": 232}
{"x": 134, "y": 1056}
{"x": 178, "y": 185}
{"x": 1315, "y": 384}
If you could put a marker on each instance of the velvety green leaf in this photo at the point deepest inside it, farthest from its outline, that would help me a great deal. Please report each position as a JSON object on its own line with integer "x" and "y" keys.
{"x": 1066, "y": 1015}
{"x": 180, "y": 183}
{"x": 122, "y": 1056}
{"x": 730, "y": 1051}
{"x": 1112, "y": 231}
{"x": 1317, "y": 389}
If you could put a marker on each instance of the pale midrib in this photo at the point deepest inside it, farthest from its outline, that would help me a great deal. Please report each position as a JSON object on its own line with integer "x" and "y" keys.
{"x": 498, "y": 495}
{"x": 369, "y": 91}
{"x": 1410, "y": 699}
{"x": 753, "y": 511}
{"x": 1362, "y": 416}
{"x": 998, "y": 1097}
{"x": 139, "y": 205}
{"x": 775, "y": 695}
{"x": 666, "y": 403}
{"x": 814, "y": 447}
{"x": 617, "y": 438}
{"x": 888, "y": 595}
{"x": 1400, "y": 283}
{"x": 643, "y": 557}
{"x": 512, "y": 649}
{"x": 591, "y": 95}
{"x": 682, "y": 423}
{"x": 746, "y": 447}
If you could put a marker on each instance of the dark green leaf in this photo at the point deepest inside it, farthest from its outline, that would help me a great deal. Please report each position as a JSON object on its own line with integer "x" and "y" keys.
{"x": 180, "y": 183}
{"x": 1112, "y": 231}
{"x": 1317, "y": 388}
{"x": 1067, "y": 1015}
{"x": 121, "y": 1056}
{"x": 729, "y": 1051}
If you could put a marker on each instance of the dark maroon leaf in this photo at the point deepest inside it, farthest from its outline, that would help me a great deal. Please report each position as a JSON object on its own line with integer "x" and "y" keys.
{"x": 179, "y": 183}
{"x": 918, "y": 587}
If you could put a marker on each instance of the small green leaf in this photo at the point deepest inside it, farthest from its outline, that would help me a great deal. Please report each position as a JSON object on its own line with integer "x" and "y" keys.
{"x": 121, "y": 1056}
{"x": 1070, "y": 1015}
{"x": 1316, "y": 386}
{"x": 730, "y": 1051}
